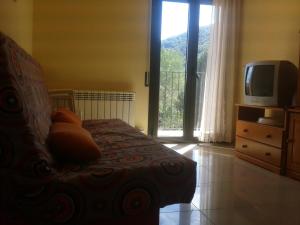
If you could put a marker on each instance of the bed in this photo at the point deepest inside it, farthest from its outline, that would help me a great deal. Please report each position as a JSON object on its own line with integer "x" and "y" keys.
{"x": 133, "y": 178}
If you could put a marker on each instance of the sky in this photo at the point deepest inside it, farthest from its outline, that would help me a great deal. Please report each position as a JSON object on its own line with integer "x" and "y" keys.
{"x": 175, "y": 18}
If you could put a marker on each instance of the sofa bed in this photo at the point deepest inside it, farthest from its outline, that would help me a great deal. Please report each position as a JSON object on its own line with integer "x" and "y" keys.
{"x": 127, "y": 184}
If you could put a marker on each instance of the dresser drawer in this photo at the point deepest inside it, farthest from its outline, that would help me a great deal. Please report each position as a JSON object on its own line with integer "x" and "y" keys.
{"x": 262, "y": 133}
{"x": 257, "y": 150}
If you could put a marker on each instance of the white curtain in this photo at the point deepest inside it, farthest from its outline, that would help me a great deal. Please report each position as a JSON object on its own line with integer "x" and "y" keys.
{"x": 218, "y": 103}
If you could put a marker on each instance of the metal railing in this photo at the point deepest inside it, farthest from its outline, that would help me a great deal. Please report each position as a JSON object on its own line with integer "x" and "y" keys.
{"x": 171, "y": 99}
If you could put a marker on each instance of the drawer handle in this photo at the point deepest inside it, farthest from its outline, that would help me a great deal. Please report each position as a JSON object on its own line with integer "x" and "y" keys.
{"x": 268, "y": 136}
{"x": 244, "y": 146}
{"x": 245, "y": 130}
{"x": 268, "y": 154}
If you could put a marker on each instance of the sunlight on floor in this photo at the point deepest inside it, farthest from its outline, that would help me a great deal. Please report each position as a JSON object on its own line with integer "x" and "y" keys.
{"x": 230, "y": 191}
{"x": 184, "y": 149}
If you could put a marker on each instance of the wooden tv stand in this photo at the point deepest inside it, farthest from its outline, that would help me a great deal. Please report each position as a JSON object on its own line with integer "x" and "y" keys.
{"x": 260, "y": 144}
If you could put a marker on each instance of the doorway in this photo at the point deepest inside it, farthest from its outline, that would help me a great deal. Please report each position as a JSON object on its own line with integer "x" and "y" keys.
{"x": 180, "y": 35}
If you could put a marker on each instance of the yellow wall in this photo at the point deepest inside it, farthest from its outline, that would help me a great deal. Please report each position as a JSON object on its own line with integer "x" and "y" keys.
{"x": 94, "y": 44}
{"x": 269, "y": 30}
{"x": 16, "y": 21}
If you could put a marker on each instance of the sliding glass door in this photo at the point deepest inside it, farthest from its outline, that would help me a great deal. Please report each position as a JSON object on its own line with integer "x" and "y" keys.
{"x": 179, "y": 45}
{"x": 173, "y": 59}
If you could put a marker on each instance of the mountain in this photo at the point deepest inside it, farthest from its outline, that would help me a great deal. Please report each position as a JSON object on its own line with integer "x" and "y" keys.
{"x": 178, "y": 43}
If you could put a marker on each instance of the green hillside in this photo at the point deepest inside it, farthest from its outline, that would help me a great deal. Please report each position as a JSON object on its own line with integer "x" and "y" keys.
{"x": 178, "y": 43}
{"x": 172, "y": 77}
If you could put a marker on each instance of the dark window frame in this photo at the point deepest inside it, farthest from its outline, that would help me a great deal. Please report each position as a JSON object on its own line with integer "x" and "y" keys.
{"x": 192, "y": 51}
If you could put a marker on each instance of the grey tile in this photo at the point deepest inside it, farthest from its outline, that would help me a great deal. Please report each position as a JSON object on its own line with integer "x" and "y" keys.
{"x": 239, "y": 216}
{"x": 184, "y": 218}
{"x": 219, "y": 195}
{"x": 232, "y": 191}
{"x": 178, "y": 208}
{"x": 283, "y": 215}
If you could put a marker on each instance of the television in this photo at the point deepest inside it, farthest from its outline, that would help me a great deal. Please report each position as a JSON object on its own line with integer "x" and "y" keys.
{"x": 270, "y": 83}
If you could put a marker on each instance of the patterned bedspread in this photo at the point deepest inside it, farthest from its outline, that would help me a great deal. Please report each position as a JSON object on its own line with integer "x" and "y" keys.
{"x": 133, "y": 173}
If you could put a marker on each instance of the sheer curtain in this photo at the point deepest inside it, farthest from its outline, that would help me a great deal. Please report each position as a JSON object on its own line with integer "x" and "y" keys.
{"x": 218, "y": 105}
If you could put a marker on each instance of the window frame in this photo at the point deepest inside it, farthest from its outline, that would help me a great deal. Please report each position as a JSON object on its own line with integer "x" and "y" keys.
{"x": 192, "y": 52}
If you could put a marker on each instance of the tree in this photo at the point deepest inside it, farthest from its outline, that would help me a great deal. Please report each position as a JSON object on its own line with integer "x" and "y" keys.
{"x": 202, "y": 58}
{"x": 172, "y": 60}
{"x": 173, "y": 75}
{"x": 172, "y": 81}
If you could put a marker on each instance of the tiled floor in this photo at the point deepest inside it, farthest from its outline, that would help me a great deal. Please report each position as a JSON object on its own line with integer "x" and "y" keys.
{"x": 233, "y": 192}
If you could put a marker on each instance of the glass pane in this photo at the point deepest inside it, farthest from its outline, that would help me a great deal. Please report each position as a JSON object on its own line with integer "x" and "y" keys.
{"x": 205, "y": 22}
{"x": 262, "y": 79}
{"x": 172, "y": 68}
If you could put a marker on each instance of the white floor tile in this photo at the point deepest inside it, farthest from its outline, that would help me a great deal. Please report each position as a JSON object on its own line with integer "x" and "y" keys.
{"x": 231, "y": 191}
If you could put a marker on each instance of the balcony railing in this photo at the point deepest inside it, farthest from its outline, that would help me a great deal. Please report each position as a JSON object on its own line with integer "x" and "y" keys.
{"x": 171, "y": 99}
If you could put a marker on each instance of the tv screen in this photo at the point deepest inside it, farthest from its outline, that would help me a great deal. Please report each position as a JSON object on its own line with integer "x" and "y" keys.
{"x": 259, "y": 80}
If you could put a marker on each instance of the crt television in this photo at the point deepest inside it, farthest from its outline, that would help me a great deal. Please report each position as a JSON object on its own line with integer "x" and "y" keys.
{"x": 270, "y": 83}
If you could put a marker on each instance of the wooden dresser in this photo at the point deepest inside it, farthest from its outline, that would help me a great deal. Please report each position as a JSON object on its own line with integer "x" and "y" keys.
{"x": 263, "y": 145}
{"x": 276, "y": 148}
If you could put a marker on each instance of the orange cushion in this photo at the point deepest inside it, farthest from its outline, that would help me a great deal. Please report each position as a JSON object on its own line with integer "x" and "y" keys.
{"x": 70, "y": 142}
{"x": 66, "y": 116}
